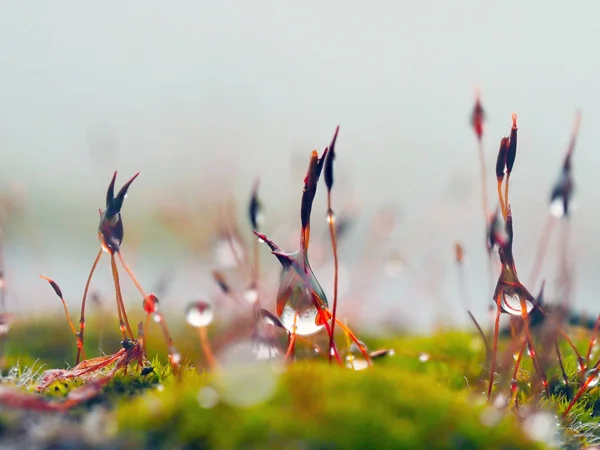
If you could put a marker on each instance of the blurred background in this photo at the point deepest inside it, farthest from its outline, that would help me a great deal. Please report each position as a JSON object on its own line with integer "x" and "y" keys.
{"x": 204, "y": 97}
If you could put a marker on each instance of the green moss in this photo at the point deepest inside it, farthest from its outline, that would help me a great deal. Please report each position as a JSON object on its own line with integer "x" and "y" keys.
{"x": 428, "y": 395}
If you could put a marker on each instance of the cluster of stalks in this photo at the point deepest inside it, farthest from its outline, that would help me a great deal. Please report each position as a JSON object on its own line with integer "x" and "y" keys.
{"x": 535, "y": 328}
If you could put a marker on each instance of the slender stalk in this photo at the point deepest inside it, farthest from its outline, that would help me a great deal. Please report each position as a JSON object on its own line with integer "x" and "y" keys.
{"x": 332, "y": 234}
{"x": 83, "y": 302}
{"x": 123, "y": 320}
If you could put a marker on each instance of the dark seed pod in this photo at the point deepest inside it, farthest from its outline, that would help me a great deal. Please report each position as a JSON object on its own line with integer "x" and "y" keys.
{"x": 221, "y": 281}
{"x": 501, "y": 160}
{"x": 329, "y": 161}
{"x": 55, "y": 286}
{"x": 111, "y": 225}
{"x": 511, "y": 153}
{"x": 254, "y": 207}
{"x": 315, "y": 166}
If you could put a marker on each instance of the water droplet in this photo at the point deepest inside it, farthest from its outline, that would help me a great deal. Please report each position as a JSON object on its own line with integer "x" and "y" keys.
{"x": 513, "y": 385}
{"x": 208, "y": 397}
{"x": 512, "y": 304}
{"x": 557, "y": 207}
{"x": 543, "y": 427}
{"x": 251, "y": 295}
{"x": 394, "y": 266}
{"x": 199, "y": 313}
{"x": 356, "y": 363}
{"x": 330, "y": 217}
{"x": 424, "y": 357}
{"x": 296, "y": 299}
{"x": 175, "y": 357}
{"x": 157, "y": 317}
{"x": 150, "y": 304}
{"x": 160, "y": 388}
{"x": 501, "y": 401}
{"x": 242, "y": 380}
{"x": 596, "y": 377}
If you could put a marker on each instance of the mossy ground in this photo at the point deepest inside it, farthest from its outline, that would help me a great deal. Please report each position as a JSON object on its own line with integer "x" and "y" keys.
{"x": 428, "y": 395}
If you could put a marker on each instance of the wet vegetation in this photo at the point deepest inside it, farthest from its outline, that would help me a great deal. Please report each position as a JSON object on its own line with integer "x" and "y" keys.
{"x": 285, "y": 371}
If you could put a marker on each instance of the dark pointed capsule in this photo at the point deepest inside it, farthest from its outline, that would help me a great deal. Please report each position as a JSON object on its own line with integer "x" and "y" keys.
{"x": 270, "y": 318}
{"x": 560, "y": 196}
{"x": 477, "y": 118}
{"x": 377, "y": 354}
{"x": 254, "y": 207}
{"x": 501, "y": 160}
{"x": 511, "y": 152}
{"x": 55, "y": 286}
{"x": 111, "y": 226}
{"x": 310, "y": 186}
{"x": 329, "y": 159}
{"x": 221, "y": 281}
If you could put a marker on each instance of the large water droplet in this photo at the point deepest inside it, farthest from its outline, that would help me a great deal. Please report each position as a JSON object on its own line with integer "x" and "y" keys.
{"x": 199, "y": 313}
{"x": 296, "y": 300}
{"x": 424, "y": 357}
{"x": 512, "y": 304}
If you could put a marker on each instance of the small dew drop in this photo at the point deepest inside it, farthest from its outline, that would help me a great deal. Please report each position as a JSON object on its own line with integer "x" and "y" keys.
{"x": 594, "y": 381}
{"x": 251, "y": 295}
{"x": 150, "y": 304}
{"x": 330, "y": 217}
{"x": 261, "y": 241}
{"x": 557, "y": 207}
{"x": 394, "y": 266}
{"x": 175, "y": 357}
{"x": 199, "y": 313}
{"x": 424, "y": 357}
{"x": 157, "y": 317}
{"x": 355, "y": 363}
{"x": 160, "y": 388}
{"x": 208, "y": 397}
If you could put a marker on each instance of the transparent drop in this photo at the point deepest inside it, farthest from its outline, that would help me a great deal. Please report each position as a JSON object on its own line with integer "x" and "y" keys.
{"x": 251, "y": 295}
{"x": 208, "y": 398}
{"x": 157, "y": 317}
{"x": 150, "y": 304}
{"x": 512, "y": 304}
{"x": 296, "y": 299}
{"x": 394, "y": 266}
{"x": 424, "y": 357}
{"x": 596, "y": 377}
{"x": 355, "y": 363}
{"x": 199, "y": 313}
{"x": 557, "y": 207}
{"x": 175, "y": 357}
{"x": 330, "y": 217}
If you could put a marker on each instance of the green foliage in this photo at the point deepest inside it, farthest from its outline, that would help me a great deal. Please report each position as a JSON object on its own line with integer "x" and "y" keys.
{"x": 429, "y": 394}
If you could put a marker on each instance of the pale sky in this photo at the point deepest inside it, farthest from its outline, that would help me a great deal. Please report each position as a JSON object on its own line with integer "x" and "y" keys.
{"x": 190, "y": 88}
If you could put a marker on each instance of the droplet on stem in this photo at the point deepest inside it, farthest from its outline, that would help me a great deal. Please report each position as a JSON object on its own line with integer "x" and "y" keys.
{"x": 150, "y": 304}
{"x": 199, "y": 313}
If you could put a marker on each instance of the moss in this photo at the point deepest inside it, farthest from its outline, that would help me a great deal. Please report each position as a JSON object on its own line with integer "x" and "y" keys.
{"x": 428, "y": 395}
